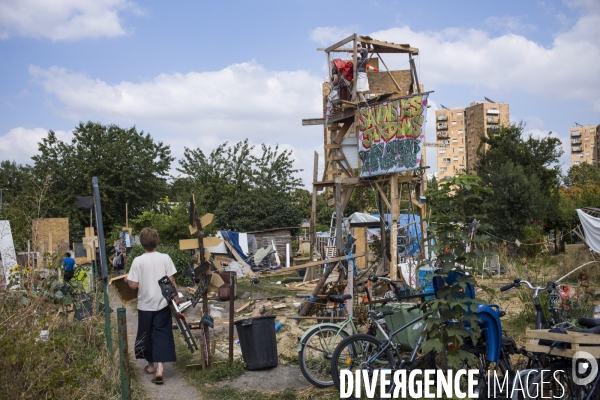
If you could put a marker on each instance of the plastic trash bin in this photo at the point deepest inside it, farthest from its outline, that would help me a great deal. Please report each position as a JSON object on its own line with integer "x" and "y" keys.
{"x": 258, "y": 342}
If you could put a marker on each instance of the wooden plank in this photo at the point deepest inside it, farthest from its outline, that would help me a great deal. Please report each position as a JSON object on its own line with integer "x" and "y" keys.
{"x": 211, "y": 241}
{"x": 342, "y": 132}
{"x": 313, "y": 121}
{"x": 416, "y": 203}
{"x": 383, "y": 82}
{"x": 340, "y": 43}
{"x": 332, "y": 146}
{"x": 314, "y": 264}
{"x": 383, "y": 196}
{"x": 192, "y": 244}
{"x": 239, "y": 259}
{"x": 89, "y": 231}
{"x": 385, "y": 47}
{"x": 206, "y": 220}
{"x": 570, "y": 337}
{"x": 279, "y": 306}
{"x": 242, "y": 308}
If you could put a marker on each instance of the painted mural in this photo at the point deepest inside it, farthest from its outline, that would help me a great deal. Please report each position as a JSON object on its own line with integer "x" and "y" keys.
{"x": 391, "y": 135}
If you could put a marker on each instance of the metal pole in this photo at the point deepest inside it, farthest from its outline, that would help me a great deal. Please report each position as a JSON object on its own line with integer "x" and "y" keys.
{"x": 103, "y": 261}
{"x": 232, "y": 281}
{"x": 123, "y": 354}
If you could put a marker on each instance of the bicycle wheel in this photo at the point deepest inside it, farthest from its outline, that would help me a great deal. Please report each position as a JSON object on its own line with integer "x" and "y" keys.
{"x": 315, "y": 356}
{"x": 360, "y": 352}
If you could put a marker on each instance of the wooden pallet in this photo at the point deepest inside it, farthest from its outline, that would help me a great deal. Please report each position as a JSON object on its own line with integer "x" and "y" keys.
{"x": 587, "y": 342}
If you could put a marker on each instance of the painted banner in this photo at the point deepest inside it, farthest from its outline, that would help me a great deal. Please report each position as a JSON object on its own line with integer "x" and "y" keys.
{"x": 391, "y": 135}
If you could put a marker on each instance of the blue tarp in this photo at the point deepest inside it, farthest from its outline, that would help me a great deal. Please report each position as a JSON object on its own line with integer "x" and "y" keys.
{"x": 233, "y": 238}
{"x": 414, "y": 232}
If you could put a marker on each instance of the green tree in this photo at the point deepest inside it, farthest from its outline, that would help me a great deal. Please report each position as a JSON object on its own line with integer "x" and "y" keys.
{"x": 583, "y": 174}
{"x": 524, "y": 175}
{"x": 245, "y": 192}
{"x": 131, "y": 168}
{"x": 457, "y": 202}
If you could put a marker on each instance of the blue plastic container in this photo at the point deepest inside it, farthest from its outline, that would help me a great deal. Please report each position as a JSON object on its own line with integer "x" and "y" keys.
{"x": 425, "y": 282}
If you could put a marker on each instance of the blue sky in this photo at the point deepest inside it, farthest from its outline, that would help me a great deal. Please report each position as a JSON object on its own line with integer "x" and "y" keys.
{"x": 197, "y": 73}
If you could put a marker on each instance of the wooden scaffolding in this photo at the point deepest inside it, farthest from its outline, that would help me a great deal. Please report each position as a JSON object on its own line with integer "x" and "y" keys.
{"x": 340, "y": 120}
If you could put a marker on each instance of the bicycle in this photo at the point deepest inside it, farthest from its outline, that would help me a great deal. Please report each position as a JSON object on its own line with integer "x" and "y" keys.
{"x": 562, "y": 386}
{"x": 367, "y": 352}
{"x": 315, "y": 347}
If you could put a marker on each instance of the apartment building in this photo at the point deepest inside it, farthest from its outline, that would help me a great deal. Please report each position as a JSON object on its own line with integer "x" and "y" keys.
{"x": 450, "y": 131}
{"x": 461, "y": 130}
{"x": 481, "y": 118}
{"x": 584, "y": 144}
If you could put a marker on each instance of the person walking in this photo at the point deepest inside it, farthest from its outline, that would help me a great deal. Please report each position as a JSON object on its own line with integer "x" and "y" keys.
{"x": 69, "y": 267}
{"x": 154, "y": 341}
{"x": 119, "y": 261}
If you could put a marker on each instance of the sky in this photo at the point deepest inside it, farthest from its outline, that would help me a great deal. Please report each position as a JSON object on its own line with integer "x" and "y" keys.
{"x": 198, "y": 73}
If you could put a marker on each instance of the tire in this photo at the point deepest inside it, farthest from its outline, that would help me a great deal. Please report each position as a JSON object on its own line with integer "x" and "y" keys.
{"x": 315, "y": 356}
{"x": 355, "y": 353}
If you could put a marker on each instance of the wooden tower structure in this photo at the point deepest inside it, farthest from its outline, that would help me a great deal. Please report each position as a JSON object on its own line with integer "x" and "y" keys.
{"x": 380, "y": 117}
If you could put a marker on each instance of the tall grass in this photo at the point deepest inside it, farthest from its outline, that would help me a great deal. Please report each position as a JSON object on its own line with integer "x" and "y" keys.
{"x": 73, "y": 363}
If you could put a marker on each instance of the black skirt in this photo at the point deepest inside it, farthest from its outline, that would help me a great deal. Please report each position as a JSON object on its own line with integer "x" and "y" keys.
{"x": 154, "y": 341}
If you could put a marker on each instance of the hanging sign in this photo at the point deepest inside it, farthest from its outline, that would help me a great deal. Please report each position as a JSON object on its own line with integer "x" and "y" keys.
{"x": 391, "y": 135}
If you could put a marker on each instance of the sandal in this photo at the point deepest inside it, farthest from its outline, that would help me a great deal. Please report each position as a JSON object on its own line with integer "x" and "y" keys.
{"x": 158, "y": 380}
{"x": 148, "y": 372}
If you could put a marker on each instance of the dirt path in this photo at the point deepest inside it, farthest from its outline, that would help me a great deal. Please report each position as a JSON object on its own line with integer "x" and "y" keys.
{"x": 174, "y": 387}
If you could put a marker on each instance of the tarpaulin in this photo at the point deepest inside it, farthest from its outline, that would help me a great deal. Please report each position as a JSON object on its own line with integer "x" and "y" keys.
{"x": 233, "y": 238}
{"x": 591, "y": 228}
{"x": 346, "y": 68}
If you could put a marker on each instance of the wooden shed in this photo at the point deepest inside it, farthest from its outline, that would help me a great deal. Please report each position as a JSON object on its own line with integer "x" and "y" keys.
{"x": 281, "y": 237}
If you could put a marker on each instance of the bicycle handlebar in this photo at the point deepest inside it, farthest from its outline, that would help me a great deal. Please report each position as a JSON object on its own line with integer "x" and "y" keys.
{"x": 550, "y": 286}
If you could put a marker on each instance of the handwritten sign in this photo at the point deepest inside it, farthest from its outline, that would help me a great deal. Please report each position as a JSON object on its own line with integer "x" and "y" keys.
{"x": 391, "y": 135}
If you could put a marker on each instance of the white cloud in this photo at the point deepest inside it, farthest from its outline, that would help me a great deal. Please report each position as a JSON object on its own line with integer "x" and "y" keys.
{"x": 19, "y": 144}
{"x": 568, "y": 69}
{"x": 200, "y": 109}
{"x": 329, "y": 35}
{"x": 63, "y": 19}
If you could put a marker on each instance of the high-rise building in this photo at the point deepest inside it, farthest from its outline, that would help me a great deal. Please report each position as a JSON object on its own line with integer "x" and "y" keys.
{"x": 584, "y": 144}
{"x": 450, "y": 130}
{"x": 461, "y": 130}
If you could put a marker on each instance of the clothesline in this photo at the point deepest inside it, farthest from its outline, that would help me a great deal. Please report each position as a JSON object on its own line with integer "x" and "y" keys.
{"x": 519, "y": 243}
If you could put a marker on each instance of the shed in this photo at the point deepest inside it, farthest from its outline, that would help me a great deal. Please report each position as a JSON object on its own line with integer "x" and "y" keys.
{"x": 281, "y": 237}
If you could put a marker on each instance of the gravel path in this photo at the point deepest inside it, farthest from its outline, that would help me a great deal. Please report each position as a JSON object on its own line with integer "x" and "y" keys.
{"x": 174, "y": 387}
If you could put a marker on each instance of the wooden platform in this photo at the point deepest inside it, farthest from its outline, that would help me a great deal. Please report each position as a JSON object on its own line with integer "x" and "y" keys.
{"x": 587, "y": 342}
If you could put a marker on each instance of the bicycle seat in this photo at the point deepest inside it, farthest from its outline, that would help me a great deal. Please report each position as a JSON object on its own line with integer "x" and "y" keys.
{"x": 339, "y": 298}
{"x": 589, "y": 322}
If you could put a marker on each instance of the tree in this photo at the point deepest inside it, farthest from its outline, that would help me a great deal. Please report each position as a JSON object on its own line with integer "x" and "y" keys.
{"x": 457, "y": 202}
{"x": 524, "y": 175}
{"x": 245, "y": 192}
{"x": 583, "y": 174}
{"x": 131, "y": 168}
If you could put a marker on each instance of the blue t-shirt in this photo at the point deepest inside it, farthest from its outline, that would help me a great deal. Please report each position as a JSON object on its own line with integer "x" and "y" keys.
{"x": 68, "y": 263}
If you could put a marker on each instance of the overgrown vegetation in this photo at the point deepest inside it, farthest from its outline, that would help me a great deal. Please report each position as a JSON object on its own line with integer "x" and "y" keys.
{"x": 70, "y": 362}
{"x": 456, "y": 205}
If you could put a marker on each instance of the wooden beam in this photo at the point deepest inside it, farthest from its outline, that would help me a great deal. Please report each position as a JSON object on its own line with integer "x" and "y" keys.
{"x": 284, "y": 271}
{"x": 389, "y": 73}
{"x": 341, "y": 133}
{"x": 313, "y": 121}
{"x": 347, "y": 195}
{"x": 381, "y": 45}
{"x": 313, "y": 212}
{"x": 395, "y": 210}
{"x": 347, "y": 181}
{"x": 340, "y": 43}
{"x": 383, "y": 196}
{"x": 332, "y": 146}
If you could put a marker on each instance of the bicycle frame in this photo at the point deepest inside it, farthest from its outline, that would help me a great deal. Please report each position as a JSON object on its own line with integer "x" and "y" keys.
{"x": 389, "y": 342}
